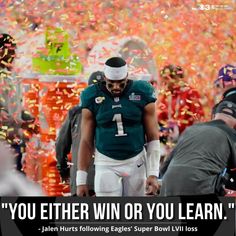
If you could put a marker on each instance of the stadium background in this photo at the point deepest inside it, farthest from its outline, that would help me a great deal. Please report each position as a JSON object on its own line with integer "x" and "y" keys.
{"x": 197, "y": 35}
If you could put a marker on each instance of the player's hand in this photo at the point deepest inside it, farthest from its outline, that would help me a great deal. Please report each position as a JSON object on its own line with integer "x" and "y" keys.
{"x": 173, "y": 131}
{"x": 152, "y": 186}
{"x": 83, "y": 190}
{"x": 65, "y": 175}
{"x": 65, "y": 180}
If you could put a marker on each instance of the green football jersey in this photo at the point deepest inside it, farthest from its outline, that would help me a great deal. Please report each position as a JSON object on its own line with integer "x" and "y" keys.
{"x": 119, "y": 130}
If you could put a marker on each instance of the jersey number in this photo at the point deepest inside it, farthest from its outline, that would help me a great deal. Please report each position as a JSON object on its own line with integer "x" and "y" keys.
{"x": 120, "y": 128}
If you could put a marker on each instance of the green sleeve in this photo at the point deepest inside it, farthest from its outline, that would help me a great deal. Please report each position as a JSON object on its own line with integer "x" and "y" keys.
{"x": 87, "y": 98}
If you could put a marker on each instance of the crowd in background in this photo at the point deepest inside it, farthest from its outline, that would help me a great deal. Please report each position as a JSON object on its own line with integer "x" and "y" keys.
{"x": 193, "y": 71}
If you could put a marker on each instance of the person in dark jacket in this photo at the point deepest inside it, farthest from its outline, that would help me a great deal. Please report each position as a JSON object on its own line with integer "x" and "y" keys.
{"x": 202, "y": 165}
{"x": 68, "y": 141}
{"x": 203, "y": 155}
{"x": 12, "y": 123}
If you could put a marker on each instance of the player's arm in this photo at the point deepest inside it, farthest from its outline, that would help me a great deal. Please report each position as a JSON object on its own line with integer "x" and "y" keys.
{"x": 86, "y": 151}
{"x": 153, "y": 148}
{"x": 63, "y": 146}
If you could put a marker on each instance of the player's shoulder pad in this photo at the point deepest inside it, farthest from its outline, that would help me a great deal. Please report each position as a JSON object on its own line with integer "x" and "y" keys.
{"x": 143, "y": 87}
{"x": 90, "y": 92}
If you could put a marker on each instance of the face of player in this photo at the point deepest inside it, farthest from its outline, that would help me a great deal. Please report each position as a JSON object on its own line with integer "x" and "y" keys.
{"x": 116, "y": 87}
{"x": 172, "y": 83}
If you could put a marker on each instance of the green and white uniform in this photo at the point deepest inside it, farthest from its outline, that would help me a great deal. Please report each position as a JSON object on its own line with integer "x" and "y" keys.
{"x": 119, "y": 134}
{"x": 119, "y": 127}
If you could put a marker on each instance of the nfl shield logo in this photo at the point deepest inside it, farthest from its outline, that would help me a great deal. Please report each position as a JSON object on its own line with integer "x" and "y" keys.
{"x": 116, "y": 99}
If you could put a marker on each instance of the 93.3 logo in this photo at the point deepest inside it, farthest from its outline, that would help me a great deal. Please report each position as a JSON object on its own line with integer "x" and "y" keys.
{"x": 208, "y": 7}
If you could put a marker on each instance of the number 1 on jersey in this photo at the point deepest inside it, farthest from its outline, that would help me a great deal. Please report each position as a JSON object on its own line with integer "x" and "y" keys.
{"x": 120, "y": 128}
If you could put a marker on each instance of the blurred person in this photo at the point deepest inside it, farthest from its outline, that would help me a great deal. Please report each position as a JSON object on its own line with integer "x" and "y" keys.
{"x": 202, "y": 166}
{"x": 69, "y": 139}
{"x": 119, "y": 114}
{"x": 225, "y": 82}
{"x": 12, "y": 125}
{"x": 230, "y": 184}
{"x": 12, "y": 183}
{"x": 7, "y": 51}
{"x": 226, "y": 79}
{"x": 178, "y": 106}
{"x": 203, "y": 156}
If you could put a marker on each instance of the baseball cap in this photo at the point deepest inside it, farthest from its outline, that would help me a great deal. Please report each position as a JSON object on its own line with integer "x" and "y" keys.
{"x": 230, "y": 95}
{"x": 226, "y": 107}
{"x": 228, "y": 104}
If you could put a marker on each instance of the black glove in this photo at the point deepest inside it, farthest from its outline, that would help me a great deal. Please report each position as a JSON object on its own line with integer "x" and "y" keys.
{"x": 65, "y": 175}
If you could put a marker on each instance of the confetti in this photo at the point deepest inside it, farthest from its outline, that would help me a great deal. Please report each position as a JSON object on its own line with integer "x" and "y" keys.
{"x": 200, "y": 41}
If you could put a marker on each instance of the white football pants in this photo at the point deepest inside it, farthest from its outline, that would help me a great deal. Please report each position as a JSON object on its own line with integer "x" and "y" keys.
{"x": 120, "y": 178}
